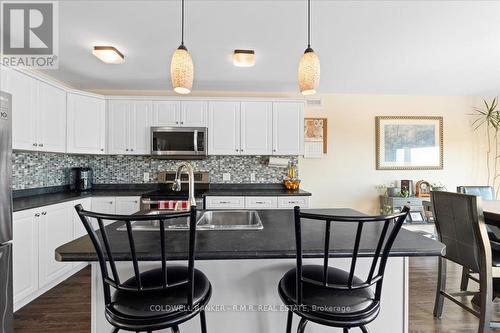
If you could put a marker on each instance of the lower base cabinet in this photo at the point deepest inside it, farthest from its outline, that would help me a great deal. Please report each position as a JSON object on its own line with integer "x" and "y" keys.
{"x": 25, "y": 253}
{"x": 269, "y": 202}
{"x": 36, "y": 234}
{"x": 56, "y": 229}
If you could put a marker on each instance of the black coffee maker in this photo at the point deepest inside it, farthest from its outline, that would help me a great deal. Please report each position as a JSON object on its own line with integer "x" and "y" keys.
{"x": 80, "y": 179}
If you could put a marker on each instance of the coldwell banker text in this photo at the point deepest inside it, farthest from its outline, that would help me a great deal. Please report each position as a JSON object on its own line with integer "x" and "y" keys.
{"x": 30, "y": 35}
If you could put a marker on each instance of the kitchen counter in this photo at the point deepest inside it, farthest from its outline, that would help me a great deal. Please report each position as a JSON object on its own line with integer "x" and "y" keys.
{"x": 40, "y": 200}
{"x": 275, "y": 241}
{"x": 50, "y": 196}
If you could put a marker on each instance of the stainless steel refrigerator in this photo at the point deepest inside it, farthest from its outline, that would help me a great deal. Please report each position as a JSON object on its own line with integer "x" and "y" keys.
{"x": 6, "y": 300}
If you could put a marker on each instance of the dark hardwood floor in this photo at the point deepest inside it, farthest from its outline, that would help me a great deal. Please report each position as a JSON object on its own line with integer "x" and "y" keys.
{"x": 66, "y": 308}
{"x": 63, "y": 309}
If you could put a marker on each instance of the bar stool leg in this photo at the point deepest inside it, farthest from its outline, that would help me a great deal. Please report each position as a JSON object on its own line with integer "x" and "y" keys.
{"x": 175, "y": 329}
{"x": 346, "y": 330}
{"x": 203, "y": 321}
{"x": 364, "y": 329}
{"x": 302, "y": 325}
{"x": 289, "y": 322}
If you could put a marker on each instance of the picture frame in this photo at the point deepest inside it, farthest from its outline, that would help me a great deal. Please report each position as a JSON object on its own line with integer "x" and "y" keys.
{"x": 416, "y": 216}
{"x": 409, "y": 143}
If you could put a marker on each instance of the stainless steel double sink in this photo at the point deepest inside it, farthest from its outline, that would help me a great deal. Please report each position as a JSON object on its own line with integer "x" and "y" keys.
{"x": 206, "y": 220}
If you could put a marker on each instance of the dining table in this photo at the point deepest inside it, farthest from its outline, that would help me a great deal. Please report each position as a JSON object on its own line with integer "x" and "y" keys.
{"x": 491, "y": 211}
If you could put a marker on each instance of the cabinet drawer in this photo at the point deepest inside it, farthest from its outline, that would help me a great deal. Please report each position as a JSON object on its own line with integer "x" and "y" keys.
{"x": 225, "y": 202}
{"x": 290, "y": 202}
{"x": 261, "y": 202}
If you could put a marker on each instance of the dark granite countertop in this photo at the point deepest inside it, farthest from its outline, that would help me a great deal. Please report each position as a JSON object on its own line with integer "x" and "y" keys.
{"x": 41, "y": 200}
{"x": 28, "y": 199}
{"x": 276, "y": 240}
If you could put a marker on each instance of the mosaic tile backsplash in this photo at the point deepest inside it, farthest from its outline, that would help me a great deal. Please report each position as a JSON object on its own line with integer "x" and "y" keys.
{"x": 33, "y": 169}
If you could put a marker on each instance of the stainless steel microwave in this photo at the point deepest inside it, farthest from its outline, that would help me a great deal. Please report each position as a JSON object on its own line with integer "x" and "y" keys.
{"x": 179, "y": 142}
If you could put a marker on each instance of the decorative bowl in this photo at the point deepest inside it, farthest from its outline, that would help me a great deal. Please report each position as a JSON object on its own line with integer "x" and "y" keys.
{"x": 291, "y": 184}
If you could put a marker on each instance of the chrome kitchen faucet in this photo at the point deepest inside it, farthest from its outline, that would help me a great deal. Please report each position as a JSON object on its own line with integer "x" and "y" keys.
{"x": 176, "y": 186}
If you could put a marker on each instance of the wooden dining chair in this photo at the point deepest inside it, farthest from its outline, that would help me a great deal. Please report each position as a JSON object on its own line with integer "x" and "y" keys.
{"x": 460, "y": 226}
{"x": 485, "y": 193}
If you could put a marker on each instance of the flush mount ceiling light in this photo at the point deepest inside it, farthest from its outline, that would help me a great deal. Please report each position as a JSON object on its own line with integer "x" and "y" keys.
{"x": 309, "y": 68}
{"x": 108, "y": 54}
{"x": 244, "y": 58}
{"x": 181, "y": 67}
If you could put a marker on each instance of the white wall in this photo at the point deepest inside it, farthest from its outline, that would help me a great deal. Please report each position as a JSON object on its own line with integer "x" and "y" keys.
{"x": 346, "y": 176}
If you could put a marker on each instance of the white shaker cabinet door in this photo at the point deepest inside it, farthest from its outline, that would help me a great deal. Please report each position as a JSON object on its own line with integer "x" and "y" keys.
{"x": 105, "y": 205}
{"x": 56, "y": 229}
{"x": 224, "y": 128}
{"x": 78, "y": 228}
{"x": 194, "y": 113}
{"x": 23, "y": 90}
{"x": 256, "y": 128}
{"x": 51, "y": 109}
{"x": 127, "y": 205}
{"x": 25, "y": 253}
{"x": 86, "y": 124}
{"x": 288, "y": 128}
{"x": 166, "y": 113}
{"x": 118, "y": 127}
{"x": 140, "y": 128}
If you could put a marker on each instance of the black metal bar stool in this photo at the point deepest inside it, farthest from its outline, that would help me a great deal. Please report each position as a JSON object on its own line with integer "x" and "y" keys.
{"x": 333, "y": 297}
{"x": 181, "y": 291}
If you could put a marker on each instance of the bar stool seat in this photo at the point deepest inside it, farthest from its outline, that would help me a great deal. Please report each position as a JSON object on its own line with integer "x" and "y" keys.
{"x": 156, "y": 307}
{"x": 344, "y": 308}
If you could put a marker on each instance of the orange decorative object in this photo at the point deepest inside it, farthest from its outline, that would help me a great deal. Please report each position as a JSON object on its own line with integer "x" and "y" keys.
{"x": 291, "y": 184}
{"x": 423, "y": 189}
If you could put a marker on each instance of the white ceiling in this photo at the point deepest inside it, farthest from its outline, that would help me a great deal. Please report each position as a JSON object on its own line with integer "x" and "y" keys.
{"x": 389, "y": 47}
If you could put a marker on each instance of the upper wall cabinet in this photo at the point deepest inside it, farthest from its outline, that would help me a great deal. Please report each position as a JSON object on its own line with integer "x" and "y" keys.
{"x": 51, "y": 106}
{"x": 129, "y": 125}
{"x": 256, "y": 128}
{"x": 38, "y": 113}
{"x": 288, "y": 128}
{"x": 224, "y": 128}
{"x": 183, "y": 113}
{"x": 86, "y": 124}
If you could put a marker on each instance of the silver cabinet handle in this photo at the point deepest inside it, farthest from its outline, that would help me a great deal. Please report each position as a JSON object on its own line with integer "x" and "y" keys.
{"x": 236, "y": 149}
{"x": 111, "y": 202}
{"x": 224, "y": 202}
{"x": 260, "y": 202}
{"x": 35, "y": 144}
{"x": 40, "y": 145}
{"x": 37, "y": 215}
{"x": 176, "y": 122}
{"x": 102, "y": 149}
{"x": 44, "y": 213}
{"x": 131, "y": 150}
{"x": 182, "y": 123}
{"x": 126, "y": 149}
{"x": 274, "y": 150}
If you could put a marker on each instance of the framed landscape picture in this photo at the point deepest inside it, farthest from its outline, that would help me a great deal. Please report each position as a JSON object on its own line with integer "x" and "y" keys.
{"x": 409, "y": 143}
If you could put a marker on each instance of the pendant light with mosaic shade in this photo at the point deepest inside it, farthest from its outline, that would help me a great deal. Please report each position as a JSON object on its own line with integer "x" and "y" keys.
{"x": 309, "y": 67}
{"x": 181, "y": 67}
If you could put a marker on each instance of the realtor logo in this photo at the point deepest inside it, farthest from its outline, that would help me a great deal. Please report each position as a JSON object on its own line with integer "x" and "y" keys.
{"x": 30, "y": 34}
